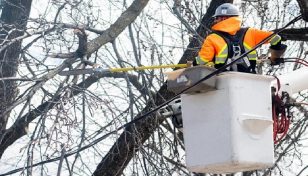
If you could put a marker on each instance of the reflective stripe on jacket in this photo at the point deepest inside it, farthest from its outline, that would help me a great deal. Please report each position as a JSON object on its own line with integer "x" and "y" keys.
{"x": 215, "y": 46}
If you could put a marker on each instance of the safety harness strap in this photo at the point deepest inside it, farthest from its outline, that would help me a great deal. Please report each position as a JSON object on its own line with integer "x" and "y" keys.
{"x": 231, "y": 40}
{"x": 235, "y": 46}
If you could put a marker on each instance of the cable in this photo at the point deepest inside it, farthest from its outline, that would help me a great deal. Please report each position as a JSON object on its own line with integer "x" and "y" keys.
{"x": 302, "y": 60}
{"x": 274, "y": 121}
{"x": 281, "y": 124}
{"x": 300, "y": 103}
{"x": 297, "y": 62}
{"x": 296, "y": 59}
{"x": 165, "y": 103}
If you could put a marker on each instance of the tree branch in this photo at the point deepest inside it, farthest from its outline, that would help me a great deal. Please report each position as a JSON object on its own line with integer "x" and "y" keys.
{"x": 83, "y": 38}
{"x": 115, "y": 29}
{"x": 122, "y": 151}
{"x": 303, "y": 5}
{"x": 20, "y": 127}
{"x": 296, "y": 34}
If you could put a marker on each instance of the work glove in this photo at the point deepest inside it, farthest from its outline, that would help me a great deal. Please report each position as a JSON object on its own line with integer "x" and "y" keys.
{"x": 195, "y": 63}
{"x": 189, "y": 64}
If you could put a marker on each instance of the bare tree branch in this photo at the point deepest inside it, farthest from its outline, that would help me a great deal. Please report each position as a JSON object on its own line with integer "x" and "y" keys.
{"x": 303, "y": 5}
{"x": 295, "y": 34}
{"x": 122, "y": 151}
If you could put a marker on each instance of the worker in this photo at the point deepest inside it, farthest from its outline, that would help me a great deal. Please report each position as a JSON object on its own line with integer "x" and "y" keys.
{"x": 228, "y": 41}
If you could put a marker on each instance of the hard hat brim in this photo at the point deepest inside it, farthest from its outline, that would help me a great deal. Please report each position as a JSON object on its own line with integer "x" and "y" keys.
{"x": 225, "y": 15}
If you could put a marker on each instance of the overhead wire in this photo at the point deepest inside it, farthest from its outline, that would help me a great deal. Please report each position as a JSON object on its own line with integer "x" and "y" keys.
{"x": 163, "y": 104}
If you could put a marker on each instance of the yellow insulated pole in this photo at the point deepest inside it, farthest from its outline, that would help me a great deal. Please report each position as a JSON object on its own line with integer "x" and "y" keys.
{"x": 106, "y": 70}
{"x": 145, "y": 67}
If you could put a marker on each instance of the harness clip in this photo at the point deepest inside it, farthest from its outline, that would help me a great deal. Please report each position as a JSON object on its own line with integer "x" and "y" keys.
{"x": 236, "y": 49}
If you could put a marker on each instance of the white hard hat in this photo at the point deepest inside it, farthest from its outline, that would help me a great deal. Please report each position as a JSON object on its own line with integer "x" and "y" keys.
{"x": 227, "y": 9}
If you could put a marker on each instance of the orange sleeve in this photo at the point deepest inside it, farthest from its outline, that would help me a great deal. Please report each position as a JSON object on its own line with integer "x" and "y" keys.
{"x": 259, "y": 35}
{"x": 207, "y": 51}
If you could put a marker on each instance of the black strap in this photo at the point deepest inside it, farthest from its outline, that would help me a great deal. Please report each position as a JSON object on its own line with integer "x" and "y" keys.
{"x": 231, "y": 40}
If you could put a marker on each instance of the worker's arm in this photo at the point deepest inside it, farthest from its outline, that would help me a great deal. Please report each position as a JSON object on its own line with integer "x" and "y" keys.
{"x": 259, "y": 35}
{"x": 277, "y": 48}
{"x": 206, "y": 53}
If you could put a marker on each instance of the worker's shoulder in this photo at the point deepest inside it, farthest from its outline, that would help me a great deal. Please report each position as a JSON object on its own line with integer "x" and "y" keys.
{"x": 256, "y": 30}
{"x": 214, "y": 36}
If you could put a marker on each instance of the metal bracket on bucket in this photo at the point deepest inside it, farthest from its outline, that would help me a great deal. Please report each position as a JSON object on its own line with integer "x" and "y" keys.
{"x": 175, "y": 113}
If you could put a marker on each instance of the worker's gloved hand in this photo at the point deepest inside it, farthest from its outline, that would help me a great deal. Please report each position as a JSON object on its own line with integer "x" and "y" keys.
{"x": 189, "y": 64}
{"x": 195, "y": 63}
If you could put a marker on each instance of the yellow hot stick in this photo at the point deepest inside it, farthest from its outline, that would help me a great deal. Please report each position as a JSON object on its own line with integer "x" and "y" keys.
{"x": 103, "y": 70}
{"x": 146, "y": 67}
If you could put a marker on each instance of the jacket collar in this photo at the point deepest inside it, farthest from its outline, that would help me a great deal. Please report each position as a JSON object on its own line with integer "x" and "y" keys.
{"x": 230, "y": 25}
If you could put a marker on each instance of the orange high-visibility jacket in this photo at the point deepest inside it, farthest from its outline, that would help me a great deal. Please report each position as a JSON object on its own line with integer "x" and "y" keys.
{"x": 215, "y": 46}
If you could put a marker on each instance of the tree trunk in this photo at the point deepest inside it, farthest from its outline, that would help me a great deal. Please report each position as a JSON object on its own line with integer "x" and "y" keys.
{"x": 14, "y": 16}
{"x": 118, "y": 157}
